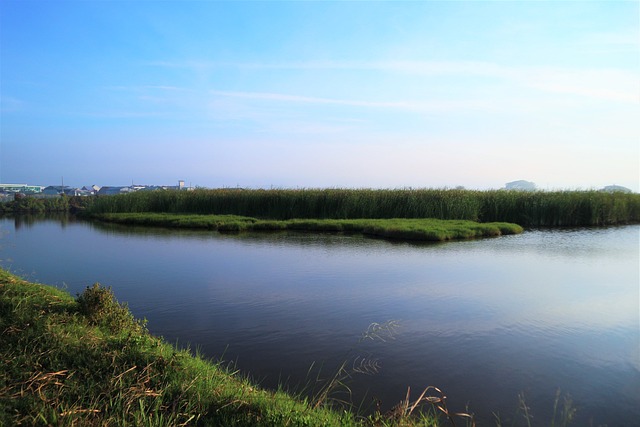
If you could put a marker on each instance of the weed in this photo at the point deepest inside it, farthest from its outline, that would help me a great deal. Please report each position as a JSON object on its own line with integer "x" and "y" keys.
{"x": 561, "y": 417}
{"x": 433, "y": 398}
{"x": 100, "y": 307}
{"x": 567, "y": 412}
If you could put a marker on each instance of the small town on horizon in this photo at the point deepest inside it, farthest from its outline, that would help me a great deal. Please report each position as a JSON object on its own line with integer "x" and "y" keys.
{"x": 12, "y": 191}
{"x": 9, "y": 191}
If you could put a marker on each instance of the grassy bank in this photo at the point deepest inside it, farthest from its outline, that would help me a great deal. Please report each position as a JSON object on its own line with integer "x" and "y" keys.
{"x": 86, "y": 361}
{"x": 405, "y": 229}
{"x": 560, "y": 208}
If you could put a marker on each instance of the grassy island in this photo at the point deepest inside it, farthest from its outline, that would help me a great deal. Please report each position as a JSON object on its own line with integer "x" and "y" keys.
{"x": 397, "y": 228}
{"x": 86, "y": 361}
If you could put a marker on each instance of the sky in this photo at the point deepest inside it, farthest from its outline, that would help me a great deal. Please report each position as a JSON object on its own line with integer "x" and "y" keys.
{"x": 318, "y": 94}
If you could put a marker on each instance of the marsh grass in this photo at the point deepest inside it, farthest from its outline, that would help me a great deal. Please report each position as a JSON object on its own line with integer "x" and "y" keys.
{"x": 396, "y": 228}
{"x": 564, "y": 412}
{"x": 41, "y": 205}
{"x": 97, "y": 304}
{"x": 431, "y": 401}
{"x": 539, "y": 208}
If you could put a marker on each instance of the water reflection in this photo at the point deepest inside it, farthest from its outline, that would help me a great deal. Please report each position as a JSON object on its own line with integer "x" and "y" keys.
{"x": 30, "y": 219}
{"x": 484, "y": 320}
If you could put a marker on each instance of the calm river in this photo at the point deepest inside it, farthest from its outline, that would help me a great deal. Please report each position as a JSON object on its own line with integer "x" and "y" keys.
{"x": 485, "y": 320}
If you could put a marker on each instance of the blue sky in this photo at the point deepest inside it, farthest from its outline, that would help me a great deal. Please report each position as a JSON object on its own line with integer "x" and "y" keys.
{"x": 321, "y": 94}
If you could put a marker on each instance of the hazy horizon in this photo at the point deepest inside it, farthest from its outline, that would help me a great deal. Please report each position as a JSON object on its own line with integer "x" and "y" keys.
{"x": 429, "y": 94}
{"x": 192, "y": 185}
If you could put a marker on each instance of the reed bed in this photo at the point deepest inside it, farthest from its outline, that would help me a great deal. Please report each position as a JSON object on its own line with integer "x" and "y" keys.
{"x": 31, "y": 204}
{"x": 529, "y": 209}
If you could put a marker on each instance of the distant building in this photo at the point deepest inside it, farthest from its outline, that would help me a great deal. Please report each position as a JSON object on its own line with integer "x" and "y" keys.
{"x": 111, "y": 191}
{"x": 55, "y": 190}
{"x": 58, "y": 190}
{"x": 180, "y": 186}
{"x": 82, "y": 192}
{"x": 21, "y": 188}
{"x": 93, "y": 189}
{"x": 520, "y": 185}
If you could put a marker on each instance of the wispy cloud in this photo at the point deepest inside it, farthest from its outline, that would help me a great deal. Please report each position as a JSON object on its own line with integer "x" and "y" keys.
{"x": 611, "y": 84}
{"x": 404, "y": 66}
{"x": 310, "y": 100}
{"x": 120, "y": 114}
{"x": 141, "y": 88}
{"x": 425, "y": 106}
{"x": 606, "y": 84}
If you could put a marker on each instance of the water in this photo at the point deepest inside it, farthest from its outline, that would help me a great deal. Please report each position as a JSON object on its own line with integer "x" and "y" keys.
{"x": 483, "y": 320}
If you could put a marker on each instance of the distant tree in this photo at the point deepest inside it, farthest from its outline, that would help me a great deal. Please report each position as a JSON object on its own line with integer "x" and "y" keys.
{"x": 616, "y": 189}
{"x": 520, "y": 185}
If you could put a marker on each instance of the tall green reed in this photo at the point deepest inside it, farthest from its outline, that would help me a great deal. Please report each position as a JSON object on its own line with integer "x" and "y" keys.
{"x": 541, "y": 208}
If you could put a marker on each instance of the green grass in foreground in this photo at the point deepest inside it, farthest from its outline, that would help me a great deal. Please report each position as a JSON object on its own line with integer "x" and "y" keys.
{"x": 398, "y": 228}
{"x": 87, "y": 361}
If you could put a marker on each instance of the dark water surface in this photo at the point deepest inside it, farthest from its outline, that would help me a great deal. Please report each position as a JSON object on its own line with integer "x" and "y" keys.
{"x": 483, "y": 320}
